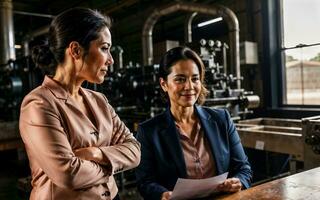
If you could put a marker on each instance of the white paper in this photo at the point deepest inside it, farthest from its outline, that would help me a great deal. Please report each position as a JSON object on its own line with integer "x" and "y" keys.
{"x": 196, "y": 188}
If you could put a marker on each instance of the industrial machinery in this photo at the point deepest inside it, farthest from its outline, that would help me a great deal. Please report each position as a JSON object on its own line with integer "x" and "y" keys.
{"x": 134, "y": 89}
{"x": 11, "y": 88}
{"x": 311, "y": 137}
{"x": 295, "y": 137}
{"x": 223, "y": 91}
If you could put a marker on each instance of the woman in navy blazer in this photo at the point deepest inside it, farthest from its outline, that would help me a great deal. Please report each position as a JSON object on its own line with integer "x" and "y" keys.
{"x": 188, "y": 140}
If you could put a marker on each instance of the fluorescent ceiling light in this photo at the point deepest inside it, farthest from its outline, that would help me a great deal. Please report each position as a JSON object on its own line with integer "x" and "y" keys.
{"x": 17, "y": 46}
{"x": 210, "y": 22}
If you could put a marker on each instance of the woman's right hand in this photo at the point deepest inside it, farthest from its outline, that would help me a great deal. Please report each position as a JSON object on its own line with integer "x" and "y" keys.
{"x": 230, "y": 185}
{"x": 166, "y": 195}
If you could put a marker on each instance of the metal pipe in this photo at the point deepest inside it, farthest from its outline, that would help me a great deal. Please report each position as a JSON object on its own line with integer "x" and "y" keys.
{"x": 118, "y": 57}
{"x": 30, "y": 36}
{"x": 33, "y": 34}
{"x": 7, "y": 50}
{"x": 188, "y": 28}
{"x": 33, "y": 14}
{"x": 227, "y": 14}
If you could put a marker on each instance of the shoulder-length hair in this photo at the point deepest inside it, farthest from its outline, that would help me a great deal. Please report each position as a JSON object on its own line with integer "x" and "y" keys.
{"x": 174, "y": 55}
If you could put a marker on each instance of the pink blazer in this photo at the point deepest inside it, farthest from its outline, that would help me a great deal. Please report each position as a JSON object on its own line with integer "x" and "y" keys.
{"x": 52, "y": 126}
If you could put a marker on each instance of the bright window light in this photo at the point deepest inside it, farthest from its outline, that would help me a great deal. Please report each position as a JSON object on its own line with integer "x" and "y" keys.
{"x": 210, "y": 22}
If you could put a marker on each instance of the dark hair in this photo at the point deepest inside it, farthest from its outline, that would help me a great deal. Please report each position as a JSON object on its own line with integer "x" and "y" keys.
{"x": 82, "y": 25}
{"x": 176, "y": 54}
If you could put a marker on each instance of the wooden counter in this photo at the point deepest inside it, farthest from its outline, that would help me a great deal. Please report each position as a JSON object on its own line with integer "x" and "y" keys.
{"x": 300, "y": 186}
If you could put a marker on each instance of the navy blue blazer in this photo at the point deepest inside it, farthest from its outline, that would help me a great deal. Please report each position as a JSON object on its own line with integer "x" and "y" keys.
{"x": 162, "y": 160}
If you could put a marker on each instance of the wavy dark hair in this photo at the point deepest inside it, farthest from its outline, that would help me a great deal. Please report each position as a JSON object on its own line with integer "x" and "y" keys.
{"x": 174, "y": 55}
{"x": 82, "y": 25}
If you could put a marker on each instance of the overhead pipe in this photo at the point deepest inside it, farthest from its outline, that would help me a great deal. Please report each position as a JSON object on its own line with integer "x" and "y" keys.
{"x": 7, "y": 50}
{"x": 33, "y": 14}
{"x": 227, "y": 14}
{"x": 40, "y": 31}
{"x": 188, "y": 28}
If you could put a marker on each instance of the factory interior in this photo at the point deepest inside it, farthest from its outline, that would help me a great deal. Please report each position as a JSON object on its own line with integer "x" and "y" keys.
{"x": 262, "y": 60}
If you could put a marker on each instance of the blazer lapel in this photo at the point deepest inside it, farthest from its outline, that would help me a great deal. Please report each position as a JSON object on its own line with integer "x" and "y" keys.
{"x": 94, "y": 108}
{"x": 212, "y": 132}
{"x": 172, "y": 142}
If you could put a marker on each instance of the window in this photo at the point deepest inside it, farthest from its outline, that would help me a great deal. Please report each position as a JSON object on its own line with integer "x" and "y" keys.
{"x": 301, "y": 51}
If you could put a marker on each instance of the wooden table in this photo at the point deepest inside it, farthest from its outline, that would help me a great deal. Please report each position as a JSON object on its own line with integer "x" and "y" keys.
{"x": 301, "y": 186}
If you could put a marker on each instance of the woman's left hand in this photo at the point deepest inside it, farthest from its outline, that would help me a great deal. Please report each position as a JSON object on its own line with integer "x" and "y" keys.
{"x": 230, "y": 185}
{"x": 89, "y": 153}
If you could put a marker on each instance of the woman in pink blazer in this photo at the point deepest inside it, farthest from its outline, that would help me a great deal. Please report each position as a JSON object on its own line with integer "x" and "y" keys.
{"x": 74, "y": 139}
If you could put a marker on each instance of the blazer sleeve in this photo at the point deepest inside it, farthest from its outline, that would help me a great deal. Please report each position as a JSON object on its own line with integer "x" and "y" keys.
{"x": 125, "y": 155}
{"x": 48, "y": 146}
{"x": 239, "y": 165}
{"x": 145, "y": 172}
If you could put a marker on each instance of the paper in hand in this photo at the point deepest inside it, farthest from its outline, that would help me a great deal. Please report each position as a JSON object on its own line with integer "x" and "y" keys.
{"x": 196, "y": 188}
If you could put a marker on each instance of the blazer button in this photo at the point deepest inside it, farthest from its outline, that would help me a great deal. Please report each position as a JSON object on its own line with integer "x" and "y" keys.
{"x": 106, "y": 193}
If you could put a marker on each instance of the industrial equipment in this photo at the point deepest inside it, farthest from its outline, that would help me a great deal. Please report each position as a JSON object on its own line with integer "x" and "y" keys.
{"x": 298, "y": 138}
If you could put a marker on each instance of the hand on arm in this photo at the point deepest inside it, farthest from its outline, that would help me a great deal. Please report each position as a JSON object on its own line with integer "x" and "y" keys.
{"x": 230, "y": 185}
{"x": 123, "y": 153}
{"x": 166, "y": 195}
{"x": 91, "y": 154}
